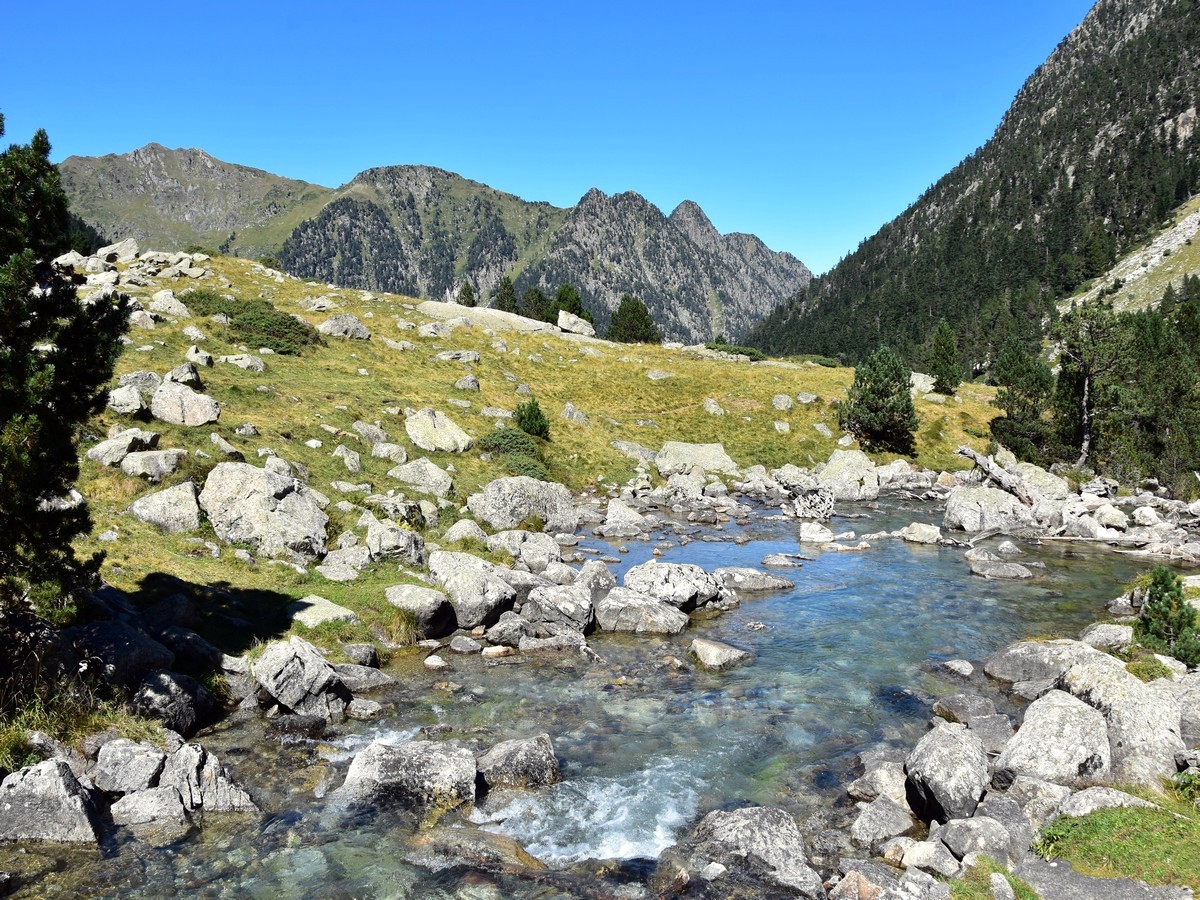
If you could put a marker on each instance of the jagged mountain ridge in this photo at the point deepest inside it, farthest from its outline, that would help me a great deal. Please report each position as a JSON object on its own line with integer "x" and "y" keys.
{"x": 423, "y": 231}
{"x": 1098, "y": 147}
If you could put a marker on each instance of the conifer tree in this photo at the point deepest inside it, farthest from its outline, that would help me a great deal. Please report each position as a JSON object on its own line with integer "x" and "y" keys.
{"x": 506, "y": 297}
{"x": 879, "y": 410}
{"x": 466, "y": 294}
{"x": 535, "y": 304}
{"x": 1025, "y": 387}
{"x": 943, "y": 361}
{"x": 631, "y": 323}
{"x": 56, "y": 355}
{"x": 567, "y": 298}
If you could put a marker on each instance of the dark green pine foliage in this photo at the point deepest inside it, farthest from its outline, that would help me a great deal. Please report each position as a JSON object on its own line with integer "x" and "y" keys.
{"x": 879, "y": 409}
{"x": 531, "y": 420}
{"x": 1026, "y": 384}
{"x": 466, "y": 295}
{"x": 567, "y": 298}
{"x": 1086, "y": 162}
{"x": 506, "y": 297}
{"x": 535, "y": 304}
{"x": 1167, "y": 623}
{"x": 943, "y": 359}
{"x": 631, "y": 323}
{"x": 56, "y": 356}
{"x": 1092, "y": 350}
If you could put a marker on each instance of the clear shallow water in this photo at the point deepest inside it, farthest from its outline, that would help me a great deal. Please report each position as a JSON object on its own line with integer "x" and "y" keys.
{"x": 647, "y": 745}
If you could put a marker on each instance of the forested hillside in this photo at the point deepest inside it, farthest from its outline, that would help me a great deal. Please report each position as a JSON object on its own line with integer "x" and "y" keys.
{"x": 1097, "y": 149}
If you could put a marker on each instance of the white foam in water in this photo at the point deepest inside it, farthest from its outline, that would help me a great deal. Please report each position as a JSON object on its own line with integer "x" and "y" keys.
{"x": 634, "y": 816}
{"x": 347, "y": 746}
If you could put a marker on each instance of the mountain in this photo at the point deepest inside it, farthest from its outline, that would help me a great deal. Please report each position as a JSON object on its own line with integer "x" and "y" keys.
{"x": 1097, "y": 149}
{"x": 422, "y": 231}
{"x": 177, "y": 198}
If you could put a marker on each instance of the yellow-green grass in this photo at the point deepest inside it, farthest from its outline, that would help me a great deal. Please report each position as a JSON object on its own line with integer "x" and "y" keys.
{"x": 1160, "y": 846}
{"x": 975, "y": 883}
{"x": 324, "y": 387}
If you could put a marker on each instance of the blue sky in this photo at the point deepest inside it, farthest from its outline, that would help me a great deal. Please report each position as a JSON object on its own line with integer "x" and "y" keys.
{"x": 809, "y": 124}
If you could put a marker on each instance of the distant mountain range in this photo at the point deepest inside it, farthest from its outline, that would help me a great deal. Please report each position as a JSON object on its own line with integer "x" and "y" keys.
{"x": 423, "y": 231}
{"x": 1099, "y": 147}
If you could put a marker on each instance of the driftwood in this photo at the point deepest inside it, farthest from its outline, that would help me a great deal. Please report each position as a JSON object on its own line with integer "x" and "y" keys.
{"x": 1006, "y": 480}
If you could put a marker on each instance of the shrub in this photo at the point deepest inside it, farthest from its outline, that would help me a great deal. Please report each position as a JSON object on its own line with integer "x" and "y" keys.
{"x": 255, "y": 322}
{"x": 530, "y": 419}
{"x": 508, "y": 440}
{"x": 1167, "y": 623}
{"x": 754, "y": 353}
{"x": 520, "y": 464}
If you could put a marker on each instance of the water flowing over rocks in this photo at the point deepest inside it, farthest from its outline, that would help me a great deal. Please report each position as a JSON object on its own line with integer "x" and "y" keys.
{"x": 295, "y": 674}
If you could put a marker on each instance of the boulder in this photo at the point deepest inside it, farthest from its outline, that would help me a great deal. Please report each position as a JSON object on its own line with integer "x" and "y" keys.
{"x": 980, "y": 834}
{"x": 125, "y": 655}
{"x": 509, "y": 629}
{"x": 185, "y": 374}
{"x": 179, "y": 701}
{"x": 620, "y": 609}
{"x": 180, "y": 405}
{"x": 476, "y": 592}
{"x": 157, "y": 805}
{"x": 203, "y": 783}
{"x": 921, "y": 533}
{"x": 386, "y": 450}
{"x": 312, "y": 611}
{"x": 750, "y": 581}
{"x": 433, "y": 431}
{"x": 507, "y": 502}
{"x": 419, "y": 773}
{"x": 424, "y": 476}
{"x": 1035, "y": 660}
{"x": 525, "y": 762}
{"x": 997, "y": 568}
{"x": 345, "y": 325}
{"x": 174, "y": 510}
{"x": 295, "y": 674}
{"x": 621, "y": 520}
{"x": 677, "y": 457}
{"x": 850, "y": 475}
{"x": 683, "y": 585}
{"x": 574, "y": 324}
{"x": 534, "y": 550}
{"x": 974, "y": 509}
{"x": 1092, "y": 799}
{"x": 45, "y": 802}
{"x": 930, "y": 856}
{"x": 199, "y": 357}
{"x": 124, "y": 766}
{"x": 387, "y": 540}
{"x": 759, "y": 841}
{"x": 1062, "y": 740}
{"x": 947, "y": 773}
{"x": 1043, "y": 483}
{"x": 431, "y": 609}
{"x": 879, "y": 820}
{"x": 1107, "y": 636}
{"x": 465, "y": 530}
{"x": 362, "y": 679}
{"x": 115, "y": 449}
{"x": 126, "y": 401}
{"x": 153, "y": 465}
{"x": 716, "y": 656}
{"x": 125, "y": 251}
{"x": 273, "y": 513}
{"x": 555, "y": 609}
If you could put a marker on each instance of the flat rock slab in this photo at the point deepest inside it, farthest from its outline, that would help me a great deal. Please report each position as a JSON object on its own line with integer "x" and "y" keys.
{"x": 715, "y": 656}
{"x": 1060, "y": 881}
{"x": 312, "y": 611}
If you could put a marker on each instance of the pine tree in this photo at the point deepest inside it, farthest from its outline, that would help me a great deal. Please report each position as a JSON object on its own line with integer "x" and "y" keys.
{"x": 531, "y": 420}
{"x": 535, "y": 304}
{"x": 1025, "y": 387}
{"x": 567, "y": 298}
{"x": 466, "y": 295}
{"x": 879, "y": 410}
{"x": 56, "y": 355}
{"x": 631, "y": 323}
{"x": 505, "y": 298}
{"x": 943, "y": 360}
{"x": 1167, "y": 622}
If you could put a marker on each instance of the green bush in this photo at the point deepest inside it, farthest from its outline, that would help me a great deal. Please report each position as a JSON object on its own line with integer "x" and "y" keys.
{"x": 1167, "y": 623}
{"x": 254, "y": 322}
{"x": 754, "y": 353}
{"x": 530, "y": 419}
{"x": 520, "y": 464}
{"x": 509, "y": 440}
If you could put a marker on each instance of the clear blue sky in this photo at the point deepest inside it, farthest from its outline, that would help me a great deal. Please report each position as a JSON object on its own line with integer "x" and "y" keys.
{"x": 809, "y": 124}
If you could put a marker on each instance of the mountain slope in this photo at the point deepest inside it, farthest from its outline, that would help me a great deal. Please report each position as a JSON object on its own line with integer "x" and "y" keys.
{"x": 1098, "y": 147}
{"x": 175, "y": 198}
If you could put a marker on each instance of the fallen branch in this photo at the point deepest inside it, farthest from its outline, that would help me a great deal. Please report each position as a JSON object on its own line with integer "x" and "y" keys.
{"x": 1006, "y": 480}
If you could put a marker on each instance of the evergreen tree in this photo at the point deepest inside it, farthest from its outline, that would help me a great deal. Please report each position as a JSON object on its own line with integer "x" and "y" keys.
{"x": 567, "y": 298}
{"x": 943, "y": 360}
{"x": 506, "y": 297}
{"x": 531, "y": 420}
{"x": 879, "y": 410}
{"x": 535, "y": 304}
{"x": 1025, "y": 387}
{"x": 1167, "y": 623}
{"x": 631, "y": 323}
{"x": 1091, "y": 353}
{"x": 56, "y": 355}
{"x": 466, "y": 294}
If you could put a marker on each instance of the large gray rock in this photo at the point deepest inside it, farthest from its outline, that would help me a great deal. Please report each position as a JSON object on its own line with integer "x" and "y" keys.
{"x": 1036, "y": 660}
{"x": 273, "y": 513}
{"x": 203, "y": 783}
{"x": 683, "y": 585}
{"x": 1043, "y": 483}
{"x": 156, "y": 806}
{"x": 173, "y": 510}
{"x": 115, "y": 449}
{"x": 295, "y": 674}
{"x": 344, "y": 325}
{"x": 153, "y": 465}
{"x": 1143, "y": 724}
{"x": 973, "y": 508}
{"x": 180, "y": 405}
{"x": 1062, "y": 739}
{"x": 750, "y": 581}
{"x": 425, "y": 476}
{"x": 947, "y": 773}
{"x": 418, "y": 773}
{"x": 524, "y": 762}
{"x": 980, "y": 834}
{"x": 509, "y": 630}
{"x": 760, "y": 841}
{"x": 477, "y": 593}
{"x": 850, "y": 475}
{"x": 716, "y": 656}
{"x": 677, "y": 457}
{"x": 362, "y": 679}
{"x": 621, "y": 520}
{"x": 313, "y": 610}
{"x": 125, "y": 655}
{"x": 178, "y": 701}
{"x": 507, "y": 502}
{"x": 123, "y": 766}
{"x": 535, "y": 550}
{"x": 127, "y": 400}
{"x": 555, "y": 609}
{"x": 431, "y": 609}
{"x": 620, "y": 609}
{"x": 879, "y": 820}
{"x": 570, "y": 322}
{"x": 433, "y": 431}
{"x": 46, "y": 803}
{"x": 387, "y": 540}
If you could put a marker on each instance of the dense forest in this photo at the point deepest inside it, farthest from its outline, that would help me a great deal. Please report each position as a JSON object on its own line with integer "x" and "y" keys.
{"x": 1097, "y": 149}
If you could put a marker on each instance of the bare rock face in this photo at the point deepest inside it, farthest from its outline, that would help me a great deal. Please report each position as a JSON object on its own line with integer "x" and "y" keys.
{"x": 433, "y": 431}
{"x": 420, "y": 773}
{"x": 45, "y": 802}
{"x": 526, "y": 762}
{"x": 275, "y": 514}
{"x": 180, "y": 405}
